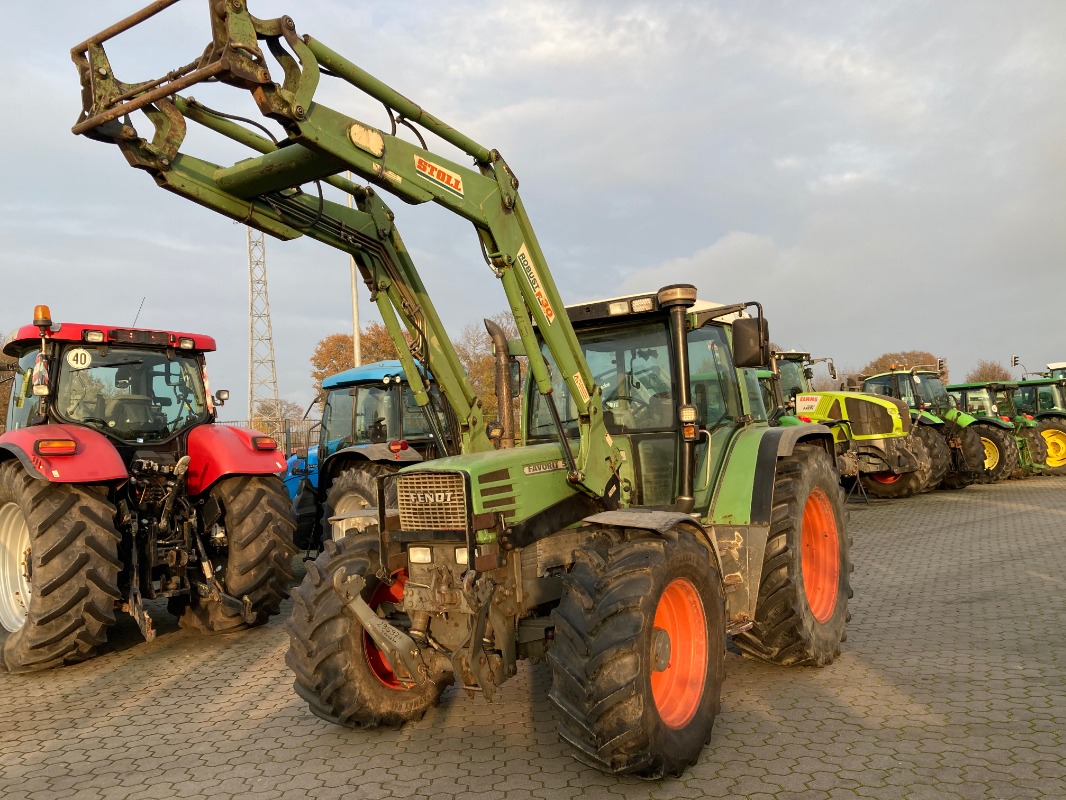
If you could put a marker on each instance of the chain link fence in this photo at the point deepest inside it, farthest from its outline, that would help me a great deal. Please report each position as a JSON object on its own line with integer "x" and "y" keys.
{"x": 292, "y": 435}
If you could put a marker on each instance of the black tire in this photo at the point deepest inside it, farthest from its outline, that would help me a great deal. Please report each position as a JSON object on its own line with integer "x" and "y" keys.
{"x": 806, "y": 578}
{"x": 617, "y": 675}
{"x": 331, "y": 656}
{"x": 1001, "y": 452}
{"x": 967, "y": 461}
{"x": 1053, "y": 430}
{"x": 1038, "y": 452}
{"x": 939, "y": 455}
{"x": 257, "y": 559}
{"x": 356, "y": 488}
{"x": 893, "y": 486}
{"x": 72, "y": 565}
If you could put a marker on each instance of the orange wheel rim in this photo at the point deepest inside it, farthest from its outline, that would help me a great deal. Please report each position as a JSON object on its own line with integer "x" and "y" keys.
{"x": 885, "y": 477}
{"x": 379, "y": 665}
{"x": 679, "y": 653}
{"x": 820, "y": 545}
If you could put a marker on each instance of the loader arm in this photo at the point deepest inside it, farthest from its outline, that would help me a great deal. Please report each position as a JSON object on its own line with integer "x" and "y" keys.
{"x": 320, "y": 144}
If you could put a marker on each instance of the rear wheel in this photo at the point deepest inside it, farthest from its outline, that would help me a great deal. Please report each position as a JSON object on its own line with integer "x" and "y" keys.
{"x": 59, "y": 570}
{"x": 257, "y": 560}
{"x": 1001, "y": 452}
{"x": 638, "y": 656}
{"x": 967, "y": 460}
{"x": 803, "y": 596}
{"x": 340, "y": 673}
{"x": 939, "y": 455}
{"x": 907, "y": 484}
{"x": 1053, "y": 432}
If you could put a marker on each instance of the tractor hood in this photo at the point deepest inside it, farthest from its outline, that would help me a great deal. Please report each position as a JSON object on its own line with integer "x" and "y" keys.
{"x": 869, "y": 416}
{"x": 519, "y": 483}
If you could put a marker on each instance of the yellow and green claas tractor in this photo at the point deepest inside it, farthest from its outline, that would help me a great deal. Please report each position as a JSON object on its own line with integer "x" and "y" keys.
{"x": 954, "y": 446}
{"x": 871, "y": 434}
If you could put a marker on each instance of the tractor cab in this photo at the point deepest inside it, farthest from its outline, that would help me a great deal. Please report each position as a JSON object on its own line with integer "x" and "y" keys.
{"x": 135, "y": 386}
{"x": 1041, "y": 395}
{"x": 921, "y": 390}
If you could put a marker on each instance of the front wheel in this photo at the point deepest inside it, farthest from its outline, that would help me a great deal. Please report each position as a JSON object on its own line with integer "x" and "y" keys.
{"x": 59, "y": 570}
{"x": 340, "y": 672}
{"x": 257, "y": 560}
{"x": 803, "y": 596}
{"x": 1053, "y": 432}
{"x": 638, "y": 657}
{"x": 1001, "y": 452}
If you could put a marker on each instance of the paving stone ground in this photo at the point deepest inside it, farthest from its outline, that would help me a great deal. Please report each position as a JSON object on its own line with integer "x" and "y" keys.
{"x": 951, "y": 686}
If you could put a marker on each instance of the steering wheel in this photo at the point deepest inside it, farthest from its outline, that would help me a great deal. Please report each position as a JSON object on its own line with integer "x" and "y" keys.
{"x": 95, "y": 419}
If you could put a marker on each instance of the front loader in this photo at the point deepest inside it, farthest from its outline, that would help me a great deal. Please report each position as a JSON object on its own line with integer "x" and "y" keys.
{"x": 648, "y": 511}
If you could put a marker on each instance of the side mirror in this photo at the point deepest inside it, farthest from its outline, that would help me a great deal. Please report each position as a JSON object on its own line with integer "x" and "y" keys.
{"x": 516, "y": 377}
{"x": 39, "y": 376}
{"x": 221, "y": 396}
{"x": 751, "y": 342}
{"x": 832, "y": 371}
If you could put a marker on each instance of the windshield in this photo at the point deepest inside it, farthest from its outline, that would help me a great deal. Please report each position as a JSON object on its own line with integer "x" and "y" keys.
{"x": 931, "y": 390}
{"x": 132, "y": 394}
{"x": 1005, "y": 402}
{"x": 979, "y": 403}
{"x": 631, "y": 365}
{"x": 793, "y": 380}
{"x": 373, "y": 413}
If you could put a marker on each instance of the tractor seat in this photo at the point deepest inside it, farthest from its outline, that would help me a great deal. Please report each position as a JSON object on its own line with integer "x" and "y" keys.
{"x": 130, "y": 411}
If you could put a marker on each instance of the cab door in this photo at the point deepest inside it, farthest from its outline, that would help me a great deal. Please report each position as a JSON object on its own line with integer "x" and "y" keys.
{"x": 715, "y": 392}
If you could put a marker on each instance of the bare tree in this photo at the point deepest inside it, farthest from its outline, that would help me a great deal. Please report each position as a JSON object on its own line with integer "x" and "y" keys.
{"x": 988, "y": 371}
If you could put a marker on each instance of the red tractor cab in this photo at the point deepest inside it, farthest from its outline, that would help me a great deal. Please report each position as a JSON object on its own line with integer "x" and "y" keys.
{"x": 117, "y": 486}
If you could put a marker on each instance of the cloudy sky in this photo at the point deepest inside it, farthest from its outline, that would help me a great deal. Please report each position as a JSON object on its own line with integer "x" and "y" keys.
{"x": 881, "y": 176}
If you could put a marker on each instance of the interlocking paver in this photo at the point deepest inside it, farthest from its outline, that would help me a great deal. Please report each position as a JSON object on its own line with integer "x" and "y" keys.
{"x": 950, "y": 687}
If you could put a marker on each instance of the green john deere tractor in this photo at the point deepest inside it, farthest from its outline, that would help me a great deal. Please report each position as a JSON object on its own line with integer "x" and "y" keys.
{"x": 1013, "y": 444}
{"x": 872, "y": 435}
{"x": 1044, "y": 399}
{"x": 955, "y": 450}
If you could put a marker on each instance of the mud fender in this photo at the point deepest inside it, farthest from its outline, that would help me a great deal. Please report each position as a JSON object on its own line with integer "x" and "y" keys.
{"x": 216, "y": 451}
{"x": 95, "y": 458}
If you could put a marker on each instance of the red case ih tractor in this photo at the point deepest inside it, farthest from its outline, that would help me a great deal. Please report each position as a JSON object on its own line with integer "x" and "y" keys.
{"x": 116, "y": 487}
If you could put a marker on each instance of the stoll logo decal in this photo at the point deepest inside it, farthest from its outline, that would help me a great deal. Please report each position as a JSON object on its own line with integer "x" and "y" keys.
{"x": 424, "y": 498}
{"x": 440, "y": 176}
{"x": 534, "y": 282}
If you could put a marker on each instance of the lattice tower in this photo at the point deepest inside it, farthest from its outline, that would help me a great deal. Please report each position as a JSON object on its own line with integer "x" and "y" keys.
{"x": 262, "y": 374}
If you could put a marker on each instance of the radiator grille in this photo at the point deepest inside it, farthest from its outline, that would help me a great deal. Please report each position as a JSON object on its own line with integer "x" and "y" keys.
{"x": 432, "y": 501}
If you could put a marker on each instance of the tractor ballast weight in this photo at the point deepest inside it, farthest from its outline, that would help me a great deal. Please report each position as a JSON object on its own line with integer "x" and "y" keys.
{"x": 117, "y": 487}
{"x": 642, "y": 466}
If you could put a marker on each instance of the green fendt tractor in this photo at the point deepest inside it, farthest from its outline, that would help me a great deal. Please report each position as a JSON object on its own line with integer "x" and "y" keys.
{"x": 872, "y": 434}
{"x": 647, "y": 512}
{"x": 1014, "y": 447}
{"x": 956, "y": 451}
{"x": 1044, "y": 399}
